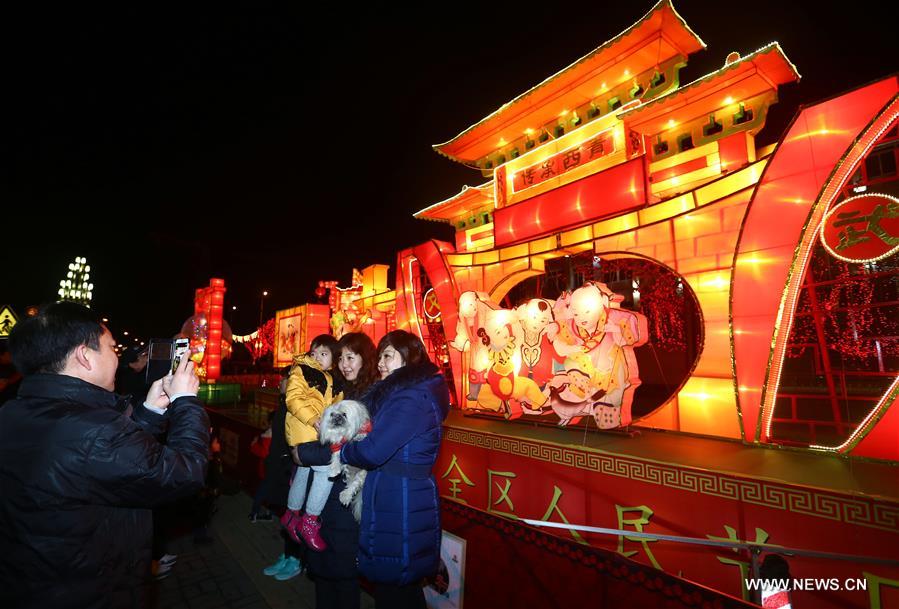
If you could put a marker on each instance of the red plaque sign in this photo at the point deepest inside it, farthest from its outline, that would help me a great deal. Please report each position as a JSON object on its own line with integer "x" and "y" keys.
{"x": 863, "y": 228}
{"x": 596, "y": 147}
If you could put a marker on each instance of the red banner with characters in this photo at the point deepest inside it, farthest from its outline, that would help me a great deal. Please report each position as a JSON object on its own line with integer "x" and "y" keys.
{"x": 517, "y": 477}
{"x": 862, "y": 229}
{"x": 596, "y": 147}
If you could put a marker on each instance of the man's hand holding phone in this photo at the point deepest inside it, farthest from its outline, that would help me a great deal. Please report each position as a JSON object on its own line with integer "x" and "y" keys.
{"x": 184, "y": 381}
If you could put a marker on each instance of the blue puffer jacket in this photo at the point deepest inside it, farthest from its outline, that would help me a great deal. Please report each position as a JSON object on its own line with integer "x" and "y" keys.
{"x": 399, "y": 538}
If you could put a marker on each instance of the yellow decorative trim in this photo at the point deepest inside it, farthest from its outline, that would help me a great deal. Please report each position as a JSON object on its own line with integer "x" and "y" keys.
{"x": 811, "y": 502}
{"x": 684, "y": 157}
{"x": 771, "y": 47}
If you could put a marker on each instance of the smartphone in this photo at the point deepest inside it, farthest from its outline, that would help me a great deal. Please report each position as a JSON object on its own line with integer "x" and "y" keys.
{"x": 182, "y": 346}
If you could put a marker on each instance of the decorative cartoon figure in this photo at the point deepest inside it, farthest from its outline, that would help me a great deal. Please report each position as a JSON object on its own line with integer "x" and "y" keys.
{"x": 473, "y": 309}
{"x": 537, "y": 353}
{"x": 597, "y": 338}
{"x": 505, "y": 390}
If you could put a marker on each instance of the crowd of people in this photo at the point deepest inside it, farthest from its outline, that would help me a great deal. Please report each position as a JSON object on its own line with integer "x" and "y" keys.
{"x": 85, "y": 474}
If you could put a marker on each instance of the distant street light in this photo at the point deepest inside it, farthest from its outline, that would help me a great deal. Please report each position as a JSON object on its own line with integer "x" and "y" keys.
{"x": 261, "y": 304}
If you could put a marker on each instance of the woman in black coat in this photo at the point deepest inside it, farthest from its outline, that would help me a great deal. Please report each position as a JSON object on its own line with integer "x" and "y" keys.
{"x": 334, "y": 570}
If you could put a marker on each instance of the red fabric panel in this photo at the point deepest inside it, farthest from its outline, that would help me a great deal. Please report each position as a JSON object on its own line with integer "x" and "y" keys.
{"x": 513, "y": 565}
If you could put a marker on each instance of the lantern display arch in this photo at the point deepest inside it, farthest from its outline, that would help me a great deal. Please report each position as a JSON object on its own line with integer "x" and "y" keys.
{"x": 626, "y": 218}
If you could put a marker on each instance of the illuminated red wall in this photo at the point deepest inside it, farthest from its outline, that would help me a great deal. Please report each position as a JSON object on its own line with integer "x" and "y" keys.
{"x": 607, "y": 193}
{"x": 776, "y": 223}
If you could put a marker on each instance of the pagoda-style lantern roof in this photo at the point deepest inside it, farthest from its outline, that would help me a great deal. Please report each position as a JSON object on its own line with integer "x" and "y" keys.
{"x": 659, "y": 36}
{"x": 739, "y": 80}
{"x": 461, "y": 205}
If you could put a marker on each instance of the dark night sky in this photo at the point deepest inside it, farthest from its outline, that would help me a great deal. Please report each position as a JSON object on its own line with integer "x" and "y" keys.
{"x": 274, "y": 150}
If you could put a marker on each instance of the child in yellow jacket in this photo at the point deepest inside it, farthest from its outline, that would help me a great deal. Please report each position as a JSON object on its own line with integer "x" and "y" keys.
{"x": 310, "y": 390}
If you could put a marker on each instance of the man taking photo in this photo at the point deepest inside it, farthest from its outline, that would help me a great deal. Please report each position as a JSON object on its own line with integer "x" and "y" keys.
{"x": 79, "y": 474}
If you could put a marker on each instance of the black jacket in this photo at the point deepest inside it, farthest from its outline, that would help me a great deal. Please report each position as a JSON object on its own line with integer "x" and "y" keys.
{"x": 278, "y": 463}
{"x": 339, "y": 529}
{"x": 77, "y": 479}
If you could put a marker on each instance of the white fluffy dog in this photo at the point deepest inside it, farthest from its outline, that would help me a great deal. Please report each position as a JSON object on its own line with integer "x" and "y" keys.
{"x": 343, "y": 422}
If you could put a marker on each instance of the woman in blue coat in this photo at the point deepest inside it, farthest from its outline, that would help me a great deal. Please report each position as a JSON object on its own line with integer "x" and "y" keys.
{"x": 399, "y": 538}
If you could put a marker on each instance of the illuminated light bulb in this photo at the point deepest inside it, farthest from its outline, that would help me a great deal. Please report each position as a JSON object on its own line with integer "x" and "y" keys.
{"x": 627, "y": 73}
{"x": 671, "y": 123}
{"x": 87, "y": 268}
{"x": 90, "y": 295}
{"x": 563, "y": 113}
{"x": 69, "y": 274}
{"x": 728, "y": 100}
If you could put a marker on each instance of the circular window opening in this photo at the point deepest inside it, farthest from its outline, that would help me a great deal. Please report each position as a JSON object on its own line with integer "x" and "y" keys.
{"x": 674, "y": 323}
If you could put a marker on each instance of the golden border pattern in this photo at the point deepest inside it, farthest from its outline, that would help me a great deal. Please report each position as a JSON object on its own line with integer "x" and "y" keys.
{"x": 830, "y": 506}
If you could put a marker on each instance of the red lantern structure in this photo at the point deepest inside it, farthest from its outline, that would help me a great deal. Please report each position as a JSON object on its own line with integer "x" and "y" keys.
{"x": 209, "y": 303}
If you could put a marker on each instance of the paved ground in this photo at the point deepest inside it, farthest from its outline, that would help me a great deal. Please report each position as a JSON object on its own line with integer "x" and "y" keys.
{"x": 227, "y": 573}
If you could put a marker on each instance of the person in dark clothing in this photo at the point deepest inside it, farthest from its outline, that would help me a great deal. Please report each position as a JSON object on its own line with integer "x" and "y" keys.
{"x": 334, "y": 570}
{"x": 278, "y": 470}
{"x": 260, "y": 447}
{"x": 131, "y": 377}
{"x": 131, "y": 382}
{"x": 77, "y": 475}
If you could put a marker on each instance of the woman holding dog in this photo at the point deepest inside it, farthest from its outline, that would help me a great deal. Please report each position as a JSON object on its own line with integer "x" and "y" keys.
{"x": 407, "y": 408}
{"x": 334, "y": 570}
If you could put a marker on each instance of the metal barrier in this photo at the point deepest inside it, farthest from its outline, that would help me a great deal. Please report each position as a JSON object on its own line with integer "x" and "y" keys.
{"x": 754, "y": 549}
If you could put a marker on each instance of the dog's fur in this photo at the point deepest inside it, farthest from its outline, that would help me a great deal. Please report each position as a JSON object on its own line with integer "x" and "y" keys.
{"x": 342, "y": 422}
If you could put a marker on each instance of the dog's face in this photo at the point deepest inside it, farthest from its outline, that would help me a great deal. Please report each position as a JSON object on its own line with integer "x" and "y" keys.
{"x": 342, "y": 421}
